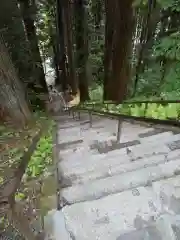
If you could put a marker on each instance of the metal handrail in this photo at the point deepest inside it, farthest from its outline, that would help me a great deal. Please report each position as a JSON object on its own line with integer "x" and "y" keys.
{"x": 89, "y": 103}
{"x": 169, "y": 121}
{"x": 120, "y": 118}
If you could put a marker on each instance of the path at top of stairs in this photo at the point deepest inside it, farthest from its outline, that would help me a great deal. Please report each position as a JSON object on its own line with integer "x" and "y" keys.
{"x": 117, "y": 190}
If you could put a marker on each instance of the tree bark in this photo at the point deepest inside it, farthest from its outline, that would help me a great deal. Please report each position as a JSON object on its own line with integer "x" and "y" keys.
{"x": 61, "y": 51}
{"x": 13, "y": 105}
{"x": 28, "y": 13}
{"x": 97, "y": 12}
{"x": 82, "y": 48}
{"x": 12, "y": 29}
{"x": 67, "y": 23}
{"x": 119, "y": 30}
{"x": 109, "y": 25}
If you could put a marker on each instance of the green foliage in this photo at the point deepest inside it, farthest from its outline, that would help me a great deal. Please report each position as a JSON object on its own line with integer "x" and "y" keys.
{"x": 96, "y": 60}
{"x": 174, "y": 5}
{"x": 152, "y": 110}
{"x": 42, "y": 157}
{"x": 168, "y": 47}
{"x": 45, "y": 23}
{"x": 96, "y": 93}
{"x": 155, "y": 79}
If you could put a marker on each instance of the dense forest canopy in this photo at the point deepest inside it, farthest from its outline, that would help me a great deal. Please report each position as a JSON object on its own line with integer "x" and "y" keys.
{"x": 116, "y": 50}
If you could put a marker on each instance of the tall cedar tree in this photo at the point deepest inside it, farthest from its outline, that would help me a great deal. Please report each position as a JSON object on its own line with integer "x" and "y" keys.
{"x": 82, "y": 47}
{"x": 68, "y": 30}
{"x": 28, "y": 10}
{"x": 118, "y": 44}
{"x": 60, "y": 50}
{"x": 13, "y": 105}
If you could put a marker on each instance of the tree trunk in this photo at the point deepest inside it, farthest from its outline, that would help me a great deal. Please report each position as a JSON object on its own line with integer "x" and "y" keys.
{"x": 109, "y": 8}
{"x": 120, "y": 44}
{"x": 12, "y": 29}
{"x": 82, "y": 48}
{"x": 13, "y": 105}
{"x": 55, "y": 59}
{"x": 28, "y": 18}
{"x": 67, "y": 23}
{"x": 61, "y": 51}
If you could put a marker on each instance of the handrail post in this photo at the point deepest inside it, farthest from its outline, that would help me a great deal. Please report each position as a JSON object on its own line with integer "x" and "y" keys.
{"x": 73, "y": 114}
{"x": 145, "y": 109}
{"x": 107, "y": 107}
{"x": 79, "y": 115}
{"x": 90, "y": 119}
{"x": 119, "y": 129}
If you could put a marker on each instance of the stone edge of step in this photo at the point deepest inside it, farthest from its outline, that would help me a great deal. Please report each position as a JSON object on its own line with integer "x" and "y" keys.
{"x": 67, "y": 181}
{"x": 136, "y": 145}
{"x": 55, "y": 226}
{"x": 64, "y": 198}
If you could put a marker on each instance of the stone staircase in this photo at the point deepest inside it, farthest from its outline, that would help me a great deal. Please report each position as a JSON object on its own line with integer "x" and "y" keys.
{"x": 116, "y": 190}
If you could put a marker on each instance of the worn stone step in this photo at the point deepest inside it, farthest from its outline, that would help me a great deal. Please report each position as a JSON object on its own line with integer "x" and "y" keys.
{"x": 112, "y": 168}
{"x": 82, "y": 162}
{"x": 156, "y": 137}
{"x": 128, "y": 133}
{"x": 86, "y": 136}
{"x": 105, "y": 147}
{"x": 83, "y": 151}
{"x": 91, "y": 136}
{"x": 126, "y": 215}
{"x": 148, "y": 147}
{"x": 82, "y": 156}
{"x": 165, "y": 228}
{"x": 126, "y": 192}
{"x": 118, "y": 183}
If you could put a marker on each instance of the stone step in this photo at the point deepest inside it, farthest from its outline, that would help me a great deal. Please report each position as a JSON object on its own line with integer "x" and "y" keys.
{"x": 112, "y": 168}
{"x": 72, "y": 133}
{"x": 156, "y": 137}
{"x": 86, "y": 136}
{"x": 105, "y": 147}
{"x": 118, "y": 183}
{"x": 85, "y": 161}
{"x": 149, "y": 212}
{"x": 149, "y": 146}
{"x": 124, "y": 191}
{"x": 90, "y": 137}
{"x": 149, "y": 143}
{"x": 167, "y": 227}
{"x": 76, "y": 155}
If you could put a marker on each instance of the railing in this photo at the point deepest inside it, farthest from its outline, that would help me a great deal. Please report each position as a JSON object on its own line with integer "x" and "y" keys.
{"x": 148, "y": 111}
{"x": 10, "y": 209}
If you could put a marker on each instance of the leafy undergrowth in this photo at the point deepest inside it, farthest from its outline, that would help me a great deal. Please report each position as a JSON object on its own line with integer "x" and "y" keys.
{"x": 13, "y": 144}
{"x": 152, "y": 110}
{"x": 42, "y": 156}
{"x": 37, "y": 177}
{"x": 15, "y": 141}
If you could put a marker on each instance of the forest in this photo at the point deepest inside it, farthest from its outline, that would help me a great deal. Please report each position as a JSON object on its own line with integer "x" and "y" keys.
{"x": 92, "y": 46}
{"x": 119, "y": 51}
